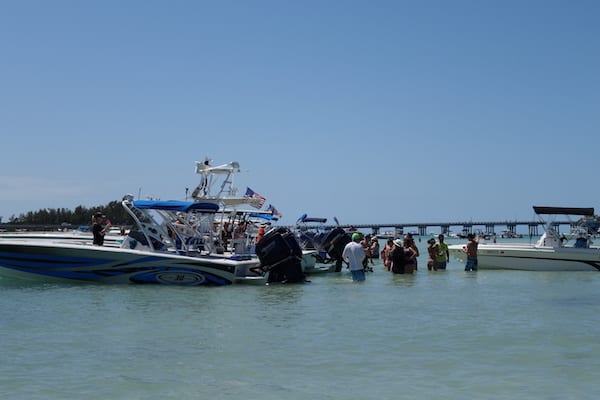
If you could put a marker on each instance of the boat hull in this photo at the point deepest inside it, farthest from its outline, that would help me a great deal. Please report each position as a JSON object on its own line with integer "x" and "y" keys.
{"x": 310, "y": 264}
{"x": 532, "y": 258}
{"x": 56, "y": 261}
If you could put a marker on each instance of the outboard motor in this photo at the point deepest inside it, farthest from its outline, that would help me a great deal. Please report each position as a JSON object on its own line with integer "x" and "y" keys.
{"x": 306, "y": 240}
{"x": 334, "y": 243}
{"x": 280, "y": 254}
{"x": 318, "y": 239}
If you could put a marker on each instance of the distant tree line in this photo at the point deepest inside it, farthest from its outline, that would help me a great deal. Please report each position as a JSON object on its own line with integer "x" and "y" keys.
{"x": 114, "y": 211}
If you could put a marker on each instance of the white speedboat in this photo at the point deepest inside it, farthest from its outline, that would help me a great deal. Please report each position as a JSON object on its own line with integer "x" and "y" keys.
{"x": 153, "y": 252}
{"x": 552, "y": 252}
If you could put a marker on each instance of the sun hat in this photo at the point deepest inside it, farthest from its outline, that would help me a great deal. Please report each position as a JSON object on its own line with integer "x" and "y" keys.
{"x": 356, "y": 236}
{"x": 398, "y": 242}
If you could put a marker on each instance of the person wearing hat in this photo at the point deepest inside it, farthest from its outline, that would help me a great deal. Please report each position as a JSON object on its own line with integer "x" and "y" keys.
{"x": 354, "y": 254}
{"x": 397, "y": 257}
{"x": 403, "y": 256}
{"x": 99, "y": 229}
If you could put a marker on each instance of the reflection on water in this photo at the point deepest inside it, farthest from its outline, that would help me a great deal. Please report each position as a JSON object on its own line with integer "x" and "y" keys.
{"x": 406, "y": 280}
{"x": 278, "y": 293}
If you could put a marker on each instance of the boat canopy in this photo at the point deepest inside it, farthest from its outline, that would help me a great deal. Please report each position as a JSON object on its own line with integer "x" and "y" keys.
{"x": 315, "y": 219}
{"x": 589, "y": 211}
{"x": 176, "y": 205}
{"x": 267, "y": 217}
{"x": 306, "y": 218}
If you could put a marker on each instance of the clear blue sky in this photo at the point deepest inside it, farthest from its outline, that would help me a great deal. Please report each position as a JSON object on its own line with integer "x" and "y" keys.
{"x": 371, "y": 111}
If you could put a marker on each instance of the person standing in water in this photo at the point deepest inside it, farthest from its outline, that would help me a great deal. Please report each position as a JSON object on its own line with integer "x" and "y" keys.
{"x": 409, "y": 237}
{"x": 443, "y": 256}
{"x": 471, "y": 250}
{"x": 432, "y": 251}
{"x": 354, "y": 255}
{"x": 386, "y": 254}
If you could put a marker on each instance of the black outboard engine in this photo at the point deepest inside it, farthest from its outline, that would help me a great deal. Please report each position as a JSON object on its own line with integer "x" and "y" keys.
{"x": 334, "y": 243}
{"x": 318, "y": 239}
{"x": 280, "y": 254}
{"x": 305, "y": 240}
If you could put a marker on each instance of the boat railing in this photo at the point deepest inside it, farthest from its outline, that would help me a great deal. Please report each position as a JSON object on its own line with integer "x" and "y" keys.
{"x": 550, "y": 238}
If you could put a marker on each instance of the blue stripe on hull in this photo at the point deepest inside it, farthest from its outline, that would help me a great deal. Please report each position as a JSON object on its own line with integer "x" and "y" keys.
{"x": 110, "y": 268}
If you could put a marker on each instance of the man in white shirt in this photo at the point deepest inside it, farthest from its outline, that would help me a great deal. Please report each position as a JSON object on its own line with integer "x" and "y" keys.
{"x": 354, "y": 254}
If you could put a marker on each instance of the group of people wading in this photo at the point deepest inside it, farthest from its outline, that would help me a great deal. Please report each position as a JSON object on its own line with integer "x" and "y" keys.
{"x": 400, "y": 256}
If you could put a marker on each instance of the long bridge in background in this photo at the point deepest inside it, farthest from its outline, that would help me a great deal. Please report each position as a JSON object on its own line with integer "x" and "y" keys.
{"x": 486, "y": 227}
{"x": 398, "y": 229}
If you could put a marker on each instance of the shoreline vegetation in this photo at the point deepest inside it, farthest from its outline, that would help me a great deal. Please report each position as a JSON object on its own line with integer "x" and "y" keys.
{"x": 57, "y": 218}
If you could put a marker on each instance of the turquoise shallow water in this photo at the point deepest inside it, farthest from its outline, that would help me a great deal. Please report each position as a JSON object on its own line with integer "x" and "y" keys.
{"x": 451, "y": 335}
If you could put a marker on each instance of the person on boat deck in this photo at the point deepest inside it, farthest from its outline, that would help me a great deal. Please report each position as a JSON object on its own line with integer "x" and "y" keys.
{"x": 239, "y": 231}
{"x": 354, "y": 254}
{"x": 178, "y": 229}
{"x": 226, "y": 234}
{"x": 99, "y": 229}
{"x": 471, "y": 250}
{"x": 581, "y": 242}
{"x": 260, "y": 234}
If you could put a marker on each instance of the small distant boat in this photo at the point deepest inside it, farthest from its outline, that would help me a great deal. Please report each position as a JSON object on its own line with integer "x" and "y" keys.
{"x": 508, "y": 234}
{"x": 478, "y": 233}
{"x": 385, "y": 235}
{"x": 550, "y": 253}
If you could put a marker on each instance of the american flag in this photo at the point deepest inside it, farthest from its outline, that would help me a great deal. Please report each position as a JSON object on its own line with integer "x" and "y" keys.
{"x": 274, "y": 211}
{"x": 251, "y": 194}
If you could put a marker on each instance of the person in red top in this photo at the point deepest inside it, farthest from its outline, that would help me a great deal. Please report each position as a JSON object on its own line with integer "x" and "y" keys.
{"x": 260, "y": 234}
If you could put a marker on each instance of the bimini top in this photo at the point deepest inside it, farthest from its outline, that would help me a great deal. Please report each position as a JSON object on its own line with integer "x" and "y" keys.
{"x": 267, "y": 217}
{"x": 176, "y": 205}
{"x": 564, "y": 210}
{"x": 306, "y": 218}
